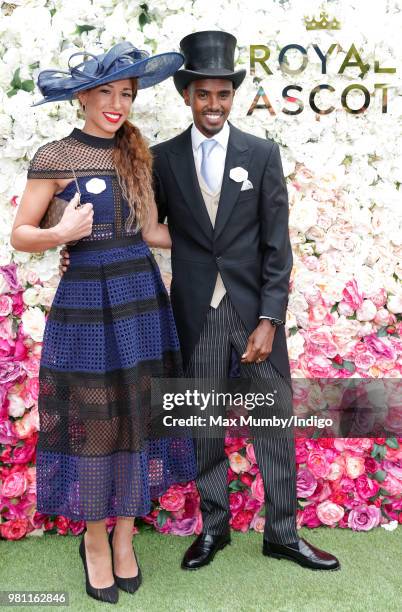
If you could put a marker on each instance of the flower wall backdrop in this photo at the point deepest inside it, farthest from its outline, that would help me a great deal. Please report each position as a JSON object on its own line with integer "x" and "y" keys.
{"x": 343, "y": 173}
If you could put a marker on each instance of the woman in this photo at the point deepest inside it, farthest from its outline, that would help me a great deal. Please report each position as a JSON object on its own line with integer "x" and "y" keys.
{"x": 110, "y": 328}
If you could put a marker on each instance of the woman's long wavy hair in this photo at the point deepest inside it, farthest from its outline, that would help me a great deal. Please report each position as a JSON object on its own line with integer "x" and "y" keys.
{"x": 133, "y": 161}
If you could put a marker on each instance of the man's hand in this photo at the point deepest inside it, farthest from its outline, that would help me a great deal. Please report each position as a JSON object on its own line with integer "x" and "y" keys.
{"x": 64, "y": 261}
{"x": 259, "y": 344}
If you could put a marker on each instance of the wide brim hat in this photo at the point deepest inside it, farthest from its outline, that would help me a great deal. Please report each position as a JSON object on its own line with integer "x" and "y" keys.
{"x": 123, "y": 61}
{"x": 208, "y": 55}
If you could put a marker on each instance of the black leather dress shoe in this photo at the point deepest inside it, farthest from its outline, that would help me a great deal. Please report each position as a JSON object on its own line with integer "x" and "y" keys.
{"x": 203, "y": 550}
{"x": 305, "y": 554}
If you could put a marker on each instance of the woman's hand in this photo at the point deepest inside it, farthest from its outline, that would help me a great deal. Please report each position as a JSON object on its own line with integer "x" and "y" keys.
{"x": 28, "y": 236}
{"x": 156, "y": 234}
{"x": 76, "y": 223}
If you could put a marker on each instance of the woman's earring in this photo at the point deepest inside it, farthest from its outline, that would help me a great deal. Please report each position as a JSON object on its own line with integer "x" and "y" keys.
{"x": 83, "y": 107}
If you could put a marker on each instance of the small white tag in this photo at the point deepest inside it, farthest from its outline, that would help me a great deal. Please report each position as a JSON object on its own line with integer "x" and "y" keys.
{"x": 95, "y": 185}
{"x": 238, "y": 174}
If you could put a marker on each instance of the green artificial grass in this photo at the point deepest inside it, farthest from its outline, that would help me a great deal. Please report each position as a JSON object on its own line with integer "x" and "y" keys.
{"x": 240, "y": 579}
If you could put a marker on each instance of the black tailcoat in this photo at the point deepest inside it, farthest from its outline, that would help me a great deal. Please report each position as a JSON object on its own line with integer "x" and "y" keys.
{"x": 249, "y": 245}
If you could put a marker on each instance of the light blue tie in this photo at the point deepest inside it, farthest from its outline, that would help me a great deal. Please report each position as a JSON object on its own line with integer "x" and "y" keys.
{"x": 207, "y": 166}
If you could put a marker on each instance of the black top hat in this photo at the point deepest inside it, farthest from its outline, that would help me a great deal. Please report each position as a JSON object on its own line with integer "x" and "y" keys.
{"x": 208, "y": 55}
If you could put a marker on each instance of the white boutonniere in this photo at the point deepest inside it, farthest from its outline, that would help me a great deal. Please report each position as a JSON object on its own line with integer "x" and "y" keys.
{"x": 95, "y": 185}
{"x": 238, "y": 174}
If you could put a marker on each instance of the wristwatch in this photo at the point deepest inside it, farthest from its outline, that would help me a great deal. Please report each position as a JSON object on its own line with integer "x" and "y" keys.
{"x": 274, "y": 322}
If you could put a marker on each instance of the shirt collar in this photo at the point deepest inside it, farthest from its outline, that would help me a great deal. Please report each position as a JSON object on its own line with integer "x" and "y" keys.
{"x": 221, "y": 137}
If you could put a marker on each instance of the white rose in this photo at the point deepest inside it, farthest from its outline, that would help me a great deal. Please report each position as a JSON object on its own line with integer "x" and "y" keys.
{"x": 295, "y": 345}
{"x": 16, "y": 406}
{"x": 394, "y": 304}
{"x": 366, "y": 311}
{"x": 46, "y": 296}
{"x": 31, "y": 296}
{"x": 33, "y": 321}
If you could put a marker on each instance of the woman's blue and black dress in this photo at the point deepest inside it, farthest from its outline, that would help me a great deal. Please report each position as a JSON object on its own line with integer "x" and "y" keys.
{"x": 109, "y": 331}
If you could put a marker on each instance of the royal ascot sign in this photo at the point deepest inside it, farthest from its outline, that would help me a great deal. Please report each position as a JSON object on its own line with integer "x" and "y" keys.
{"x": 261, "y": 61}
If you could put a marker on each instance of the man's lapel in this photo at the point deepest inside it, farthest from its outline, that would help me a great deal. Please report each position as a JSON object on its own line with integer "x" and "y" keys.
{"x": 181, "y": 160}
{"x": 237, "y": 155}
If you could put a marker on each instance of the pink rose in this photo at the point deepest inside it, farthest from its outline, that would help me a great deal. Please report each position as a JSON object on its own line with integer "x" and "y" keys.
{"x": 310, "y": 518}
{"x": 18, "y": 304}
{"x": 258, "y": 523}
{"x": 257, "y": 488}
{"x": 238, "y": 463}
{"x": 242, "y": 520}
{"x": 236, "y": 501}
{"x": 306, "y": 483}
{"x": 329, "y": 513}
{"x": 354, "y": 466}
{"x": 351, "y": 294}
{"x": 364, "y": 518}
{"x": 172, "y": 500}
{"x": 301, "y": 451}
{"x": 320, "y": 367}
{"x": 371, "y": 465}
{"x": 62, "y": 524}
{"x": 14, "y": 485}
{"x": 383, "y": 317}
{"x": 323, "y": 339}
{"x": 6, "y": 305}
{"x": 347, "y": 485}
{"x": 184, "y": 527}
{"x": 318, "y": 464}
{"x": 364, "y": 361}
{"x": 381, "y": 346}
{"x": 14, "y": 529}
{"x": 77, "y": 527}
{"x": 392, "y": 485}
{"x": 366, "y": 487}
{"x": 379, "y": 298}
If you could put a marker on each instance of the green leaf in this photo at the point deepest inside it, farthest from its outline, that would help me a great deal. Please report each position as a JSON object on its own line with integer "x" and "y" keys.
{"x": 12, "y": 92}
{"x": 380, "y": 475}
{"x": 28, "y": 85}
{"x": 293, "y": 330}
{"x": 162, "y": 517}
{"x": 144, "y": 17}
{"x": 236, "y": 485}
{"x": 84, "y": 28}
{"x": 382, "y": 332}
{"x": 334, "y": 307}
{"x": 392, "y": 442}
{"x": 337, "y": 366}
{"x": 383, "y": 492}
{"x": 16, "y": 82}
{"x": 378, "y": 450}
{"x": 34, "y": 65}
{"x": 349, "y": 365}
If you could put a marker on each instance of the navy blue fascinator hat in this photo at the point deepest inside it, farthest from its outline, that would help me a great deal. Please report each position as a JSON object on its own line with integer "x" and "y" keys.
{"x": 123, "y": 61}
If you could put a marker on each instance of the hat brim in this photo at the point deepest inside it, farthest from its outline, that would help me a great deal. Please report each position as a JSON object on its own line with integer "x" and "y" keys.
{"x": 149, "y": 72}
{"x": 183, "y": 78}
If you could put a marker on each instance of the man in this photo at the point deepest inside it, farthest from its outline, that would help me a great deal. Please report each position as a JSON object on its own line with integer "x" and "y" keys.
{"x": 224, "y": 196}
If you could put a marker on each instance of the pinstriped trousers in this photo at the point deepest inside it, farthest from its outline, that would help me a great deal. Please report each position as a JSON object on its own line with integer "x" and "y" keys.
{"x": 275, "y": 456}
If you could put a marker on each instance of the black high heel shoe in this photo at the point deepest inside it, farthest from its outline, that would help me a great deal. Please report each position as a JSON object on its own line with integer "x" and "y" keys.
{"x": 107, "y": 594}
{"x": 130, "y": 585}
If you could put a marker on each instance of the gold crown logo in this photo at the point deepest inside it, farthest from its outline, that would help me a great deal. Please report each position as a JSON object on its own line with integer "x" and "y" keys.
{"x": 322, "y": 24}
